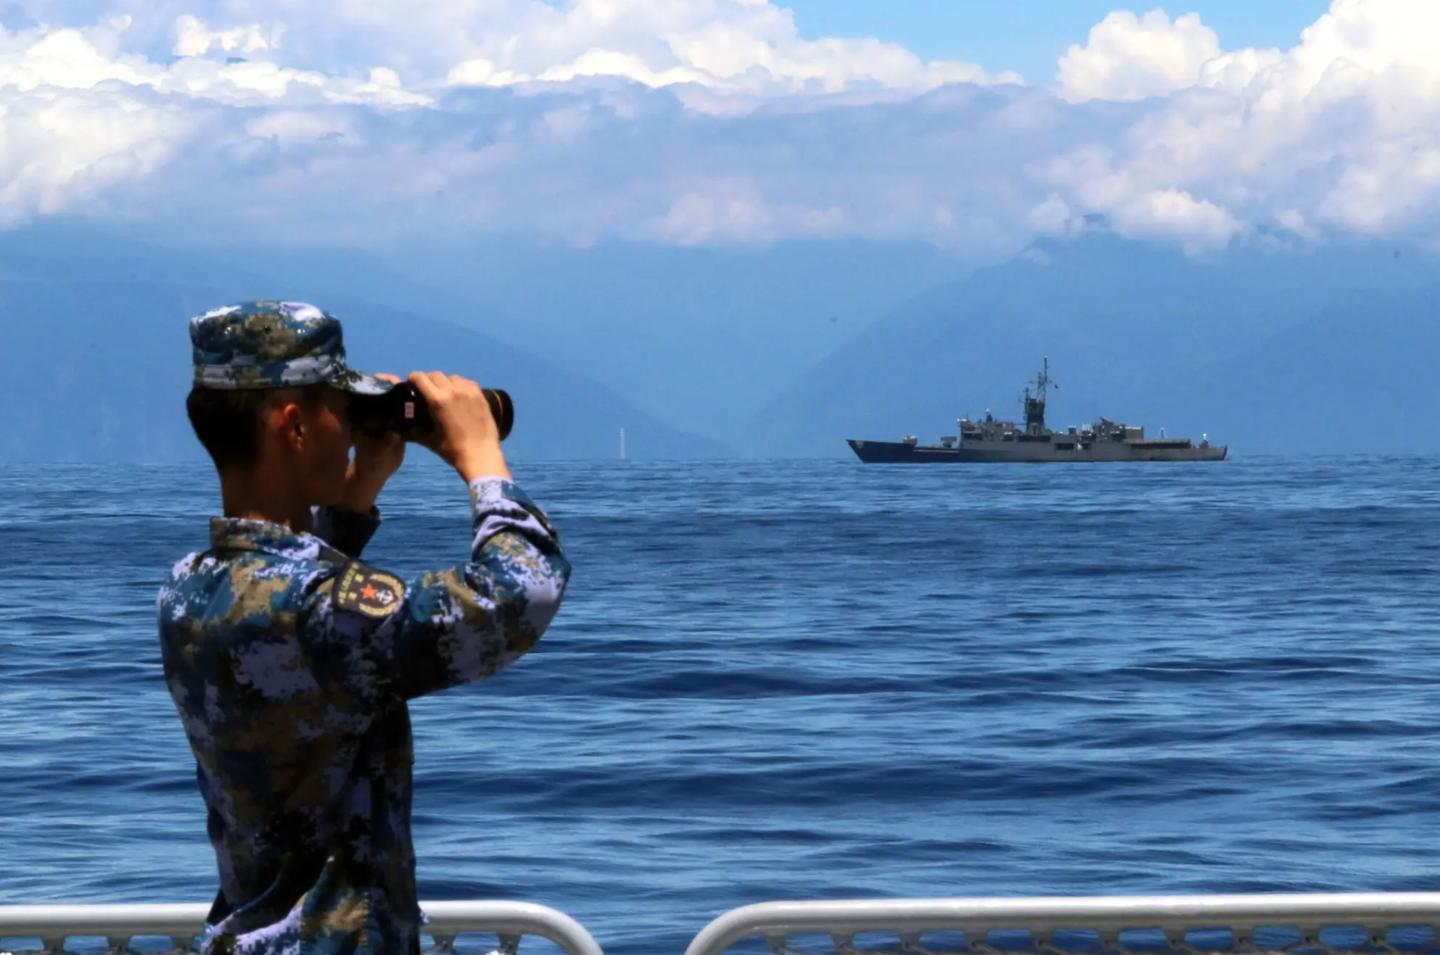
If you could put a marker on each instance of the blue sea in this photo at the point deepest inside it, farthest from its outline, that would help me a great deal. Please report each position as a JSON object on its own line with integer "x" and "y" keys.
{"x": 806, "y": 680}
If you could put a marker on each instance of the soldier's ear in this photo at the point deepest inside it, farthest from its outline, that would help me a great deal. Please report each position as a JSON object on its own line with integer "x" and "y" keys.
{"x": 290, "y": 421}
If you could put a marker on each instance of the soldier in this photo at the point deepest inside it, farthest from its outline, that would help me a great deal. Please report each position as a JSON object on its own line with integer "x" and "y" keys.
{"x": 291, "y": 662}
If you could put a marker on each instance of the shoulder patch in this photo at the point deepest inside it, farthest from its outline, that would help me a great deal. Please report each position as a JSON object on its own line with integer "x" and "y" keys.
{"x": 368, "y": 591}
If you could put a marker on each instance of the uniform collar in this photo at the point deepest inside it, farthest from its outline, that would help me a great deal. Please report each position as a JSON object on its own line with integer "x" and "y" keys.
{"x": 235, "y": 533}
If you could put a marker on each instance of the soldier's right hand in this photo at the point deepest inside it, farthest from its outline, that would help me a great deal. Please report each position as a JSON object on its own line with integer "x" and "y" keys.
{"x": 465, "y": 434}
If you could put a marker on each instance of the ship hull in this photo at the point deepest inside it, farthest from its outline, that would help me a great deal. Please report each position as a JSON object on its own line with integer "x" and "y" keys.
{"x": 898, "y": 452}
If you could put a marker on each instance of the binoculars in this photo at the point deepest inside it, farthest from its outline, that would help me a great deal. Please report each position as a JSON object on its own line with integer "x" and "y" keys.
{"x": 403, "y": 411}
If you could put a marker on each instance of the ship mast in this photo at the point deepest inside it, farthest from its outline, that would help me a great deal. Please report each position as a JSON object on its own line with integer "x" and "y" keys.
{"x": 1043, "y": 381}
{"x": 1035, "y": 407}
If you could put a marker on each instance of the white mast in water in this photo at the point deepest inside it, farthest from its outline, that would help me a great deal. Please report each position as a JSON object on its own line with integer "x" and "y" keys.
{"x": 622, "y": 444}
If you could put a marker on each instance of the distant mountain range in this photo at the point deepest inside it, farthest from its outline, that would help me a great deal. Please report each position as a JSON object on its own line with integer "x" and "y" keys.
{"x": 762, "y": 352}
{"x": 96, "y": 362}
{"x": 1269, "y": 352}
{"x": 702, "y": 338}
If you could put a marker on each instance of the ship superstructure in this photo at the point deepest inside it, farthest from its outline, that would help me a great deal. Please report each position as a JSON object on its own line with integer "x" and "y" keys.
{"x": 993, "y": 441}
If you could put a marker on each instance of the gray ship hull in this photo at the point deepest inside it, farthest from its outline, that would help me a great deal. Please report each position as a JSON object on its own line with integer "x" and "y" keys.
{"x": 1032, "y": 452}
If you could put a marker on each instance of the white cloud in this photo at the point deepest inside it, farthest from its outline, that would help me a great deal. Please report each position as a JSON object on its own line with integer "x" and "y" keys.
{"x": 733, "y": 47}
{"x": 736, "y": 210}
{"x": 693, "y": 121}
{"x": 59, "y": 150}
{"x": 1130, "y": 57}
{"x": 297, "y": 128}
{"x": 194, "y": 39}
{"x": 695, "y": 219}
{"x": 628, "y": 65}
{"x": 738, "y": 46}
{"x": 482, "y": 72}
{"x": 1199, "y": 225}
{"x": 1053, "y": 217}
{"x": 71, "y": 59}
{"x": 250, "y": 77}
{"x": 1340, "y": 131}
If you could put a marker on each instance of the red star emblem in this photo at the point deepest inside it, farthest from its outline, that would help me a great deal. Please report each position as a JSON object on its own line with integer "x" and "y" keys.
{"x": 368, "y": 593}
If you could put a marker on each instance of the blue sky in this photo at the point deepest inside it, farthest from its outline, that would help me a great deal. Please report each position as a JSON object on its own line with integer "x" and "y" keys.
{"x": 1030, "y": 36}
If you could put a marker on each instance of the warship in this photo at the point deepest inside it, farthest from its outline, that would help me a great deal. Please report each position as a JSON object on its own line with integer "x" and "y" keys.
{"x": 992, "y": 441}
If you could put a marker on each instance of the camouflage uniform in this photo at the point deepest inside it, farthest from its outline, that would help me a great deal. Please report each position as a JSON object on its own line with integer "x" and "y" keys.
{"x": 291, "y": 662}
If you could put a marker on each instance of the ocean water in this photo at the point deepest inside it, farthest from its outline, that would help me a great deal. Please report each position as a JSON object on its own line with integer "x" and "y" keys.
{"x": 806, "y": 680}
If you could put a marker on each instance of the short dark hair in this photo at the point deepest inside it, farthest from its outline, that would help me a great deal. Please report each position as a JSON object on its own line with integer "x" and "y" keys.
{"x": 228, "y": 420}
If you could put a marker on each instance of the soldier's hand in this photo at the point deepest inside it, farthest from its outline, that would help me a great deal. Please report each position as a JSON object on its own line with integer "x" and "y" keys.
{"x": 375, "y": 460}
{"x": 465, "y": 435}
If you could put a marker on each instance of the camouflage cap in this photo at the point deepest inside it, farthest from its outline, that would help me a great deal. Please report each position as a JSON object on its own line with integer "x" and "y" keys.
{"x": 270, "y": 344}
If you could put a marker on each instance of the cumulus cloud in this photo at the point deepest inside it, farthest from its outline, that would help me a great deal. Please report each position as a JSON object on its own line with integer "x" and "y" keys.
{"x": 60, "y": 151}
{"x": 264, "y": 86}
{"x": 70, "y": 59}
{"x": 1341, "y": 129}
{"x": 1197, "y": 223}
{"x": 194, "y": 39}
{"x": 697, "y": 121}
{"x": 736, "y": 210}
{"x": 750, "y": 46}
{"x": 1130, "y": 57}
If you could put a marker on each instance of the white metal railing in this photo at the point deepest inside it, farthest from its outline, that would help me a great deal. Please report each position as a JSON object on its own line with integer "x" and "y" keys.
{"x": 118, "y": 925}
{"x": 1194, "y": 924}
{"x": 1188, "y": 924}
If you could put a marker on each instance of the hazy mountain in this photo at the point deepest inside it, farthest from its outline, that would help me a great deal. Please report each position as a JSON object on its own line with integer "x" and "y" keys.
{"x": 1358, "y": 377}
{"x": 1132, "y": 332}
{"x": 1265, "y": 351}
{"x": 699, "y": 338}
{"x": 703, "y": 337}
{"x": 97, "y": 359}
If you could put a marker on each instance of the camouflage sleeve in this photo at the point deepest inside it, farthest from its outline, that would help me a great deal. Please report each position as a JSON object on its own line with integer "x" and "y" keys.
{"x": 345, "y": 530}
{"x": 470, "y": 622}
